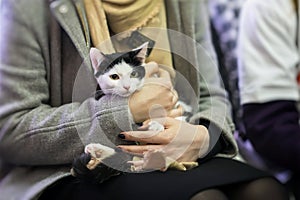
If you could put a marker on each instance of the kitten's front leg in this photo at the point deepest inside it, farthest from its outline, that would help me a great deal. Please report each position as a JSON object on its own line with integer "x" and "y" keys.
{"x": 98, "y": 153}
{"x": 98, "y": 163}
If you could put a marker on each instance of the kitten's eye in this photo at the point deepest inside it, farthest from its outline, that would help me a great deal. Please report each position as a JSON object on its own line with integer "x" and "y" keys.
{"x": 134, "y": 74}
{"x": 114, "y": 76}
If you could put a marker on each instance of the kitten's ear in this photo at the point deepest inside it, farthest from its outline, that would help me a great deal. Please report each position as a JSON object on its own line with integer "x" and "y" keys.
{"x": 142, "y": 52}
{"x": 96, "y": 57}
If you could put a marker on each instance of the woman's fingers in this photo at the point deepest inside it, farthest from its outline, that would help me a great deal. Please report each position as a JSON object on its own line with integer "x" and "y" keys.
{"x": 149, "y": 137}
{"x": 178, "y": 140}
{"x": 158, "y": 76}
{"x": 139, "y": 149}
{"x": 151, "y": 160}
{"x": 154, "y": 135}
{"x": 151, "y": 69}
{"x": 177, "y": 112}
{"x": 165, "y": 121}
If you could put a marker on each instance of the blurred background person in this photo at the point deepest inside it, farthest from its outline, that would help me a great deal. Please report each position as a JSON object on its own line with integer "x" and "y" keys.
{"x": 268, "y": 53}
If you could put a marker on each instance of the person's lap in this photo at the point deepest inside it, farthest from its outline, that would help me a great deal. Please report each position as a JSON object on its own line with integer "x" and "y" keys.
{"x": 216, "y": 172}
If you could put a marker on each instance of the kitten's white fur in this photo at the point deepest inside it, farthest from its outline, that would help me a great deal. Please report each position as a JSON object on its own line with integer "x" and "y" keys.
{"x": 124, "y": 86}
{"x": 99, "y": 151}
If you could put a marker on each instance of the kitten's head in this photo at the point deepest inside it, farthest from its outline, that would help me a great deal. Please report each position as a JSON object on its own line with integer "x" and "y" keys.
{"x": 120, "y": 73}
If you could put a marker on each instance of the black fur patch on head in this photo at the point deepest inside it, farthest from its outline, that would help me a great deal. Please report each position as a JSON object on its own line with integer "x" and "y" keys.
{"x": 116, "y": 58}
{"x": 140, "y": 70}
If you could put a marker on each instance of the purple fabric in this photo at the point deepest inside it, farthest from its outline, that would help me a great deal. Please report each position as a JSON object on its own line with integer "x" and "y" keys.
{"x": 274, "y": 130}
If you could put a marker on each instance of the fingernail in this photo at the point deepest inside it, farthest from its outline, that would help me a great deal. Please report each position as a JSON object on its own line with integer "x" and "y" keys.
{"x": 121, "y": 136}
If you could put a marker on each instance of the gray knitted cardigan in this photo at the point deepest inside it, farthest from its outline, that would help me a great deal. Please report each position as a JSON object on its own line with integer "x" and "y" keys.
{"x": 43, "y": 125}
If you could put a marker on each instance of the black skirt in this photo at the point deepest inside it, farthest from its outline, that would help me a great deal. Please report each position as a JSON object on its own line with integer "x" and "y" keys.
{"x": 172, "y": 184}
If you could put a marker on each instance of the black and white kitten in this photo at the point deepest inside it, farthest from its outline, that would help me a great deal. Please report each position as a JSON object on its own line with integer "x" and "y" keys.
{"x": 117, "y": 74}
{"x": 120, "y": 73}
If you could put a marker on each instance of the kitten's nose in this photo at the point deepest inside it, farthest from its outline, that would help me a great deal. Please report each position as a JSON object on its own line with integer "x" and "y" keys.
{"x": 126, "y": 87}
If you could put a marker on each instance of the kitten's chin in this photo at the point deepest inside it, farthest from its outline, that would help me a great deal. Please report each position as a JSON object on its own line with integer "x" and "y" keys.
{"x": 125, "y": 95}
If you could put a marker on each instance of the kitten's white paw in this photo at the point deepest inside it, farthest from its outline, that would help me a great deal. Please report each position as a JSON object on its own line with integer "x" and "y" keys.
{"x": 155, "y": 126}
{"x": 99, "y": 151}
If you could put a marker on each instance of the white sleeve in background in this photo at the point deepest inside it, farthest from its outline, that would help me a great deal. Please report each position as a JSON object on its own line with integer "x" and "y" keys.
{"x": 267, "y": 51}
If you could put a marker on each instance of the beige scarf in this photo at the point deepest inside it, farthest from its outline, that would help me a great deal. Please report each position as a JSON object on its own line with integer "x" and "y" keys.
{"x": 121, "y": 18}
{"x": 295, "y": 2}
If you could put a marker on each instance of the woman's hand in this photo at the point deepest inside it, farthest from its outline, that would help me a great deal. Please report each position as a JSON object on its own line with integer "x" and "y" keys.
{"x": 179, "y": 141}
{"x": 157, "y": 98}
